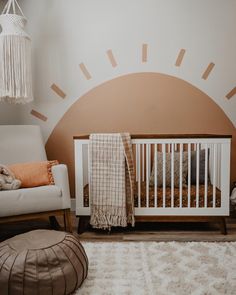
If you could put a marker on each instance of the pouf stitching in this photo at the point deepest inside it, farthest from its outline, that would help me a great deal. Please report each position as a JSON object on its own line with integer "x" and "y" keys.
{"x": 83, "y": 253}
{"x": 59, "y": 266}
{"x": 80, "y": 246}
{"x": 23, "y": 280}
{"x": 11, "y": 272}
{"x": 76, "y": 243}
{"x": 10, "y": 267}
{"x": 49, "y": 271}
{"x": 2, "y": 249}
{"x": 59, "y": 263}
{"x": 84, "y": 277}
{"x": 3, "y": 254}
{"x": 73, "y": 268}
{"x": 4, "y": 261}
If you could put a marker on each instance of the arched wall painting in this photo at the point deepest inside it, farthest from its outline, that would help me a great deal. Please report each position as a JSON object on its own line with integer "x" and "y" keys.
{"x": 139, "y": 103}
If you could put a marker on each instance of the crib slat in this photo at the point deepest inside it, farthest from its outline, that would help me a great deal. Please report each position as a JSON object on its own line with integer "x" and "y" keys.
{"x": 143, "y": 168}
{"x": 136, "y": 161}
{"x": 147, "y": 172}
{"x": 180, "y": 174}
{"x": 206, "y": 176}
{"x": 138, "y": 172}
{"x": 79, "y": 174}
{"x": 214, "y": 175}
{"x": 155, "y": 175}
{"x": 89, "y": 187}
{"x": 189, "y": 173}
{"x": 149, "y": 161}
{"x": 218, "y": 158}
{"x": 139, "y": 178}
{"x": 164, "y": 174}
{"x": 197, "y": 176}
{"x": 168, "y": 145}
{"x": 172, "y": 175}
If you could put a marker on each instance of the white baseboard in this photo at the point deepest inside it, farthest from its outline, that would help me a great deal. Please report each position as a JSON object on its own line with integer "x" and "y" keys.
{"x": 72, "y": 205}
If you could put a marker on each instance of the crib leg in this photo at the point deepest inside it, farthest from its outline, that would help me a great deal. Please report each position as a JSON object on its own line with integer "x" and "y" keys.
{"x": 222, "y": 224}
{"x": 54, "y": 223}
{"x": 83, "y": 224}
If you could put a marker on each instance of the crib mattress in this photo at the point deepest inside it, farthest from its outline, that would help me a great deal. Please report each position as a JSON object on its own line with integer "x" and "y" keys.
{"x": 167, "y": 199}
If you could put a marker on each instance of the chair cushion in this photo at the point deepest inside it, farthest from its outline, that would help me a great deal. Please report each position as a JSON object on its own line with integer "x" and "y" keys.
{"x": 42, "y": 262}
{"x": 30, "y": 200}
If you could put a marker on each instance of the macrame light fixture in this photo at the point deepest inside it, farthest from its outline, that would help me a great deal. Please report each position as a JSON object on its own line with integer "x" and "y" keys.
{"x": 15, "y": 56}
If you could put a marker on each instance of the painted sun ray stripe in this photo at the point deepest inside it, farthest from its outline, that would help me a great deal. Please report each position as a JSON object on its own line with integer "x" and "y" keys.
{"x": 111, "y": 58}
{"x": 38, "y": 115}
{"x": 85, "y": 71}
{"x": 58, "y": 90}
{"x": 144, "y": 52}
{"x": 208, "y": 70}
{"x": 180, "y": 57}
{"x": 231, "y": 93}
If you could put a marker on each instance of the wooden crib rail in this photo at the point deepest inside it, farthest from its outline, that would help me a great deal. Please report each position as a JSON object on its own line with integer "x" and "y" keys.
{"x": 164, "y": 136}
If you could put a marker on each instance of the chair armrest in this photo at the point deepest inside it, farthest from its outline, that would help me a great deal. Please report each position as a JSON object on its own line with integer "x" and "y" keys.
{"x": 60, "y": 175}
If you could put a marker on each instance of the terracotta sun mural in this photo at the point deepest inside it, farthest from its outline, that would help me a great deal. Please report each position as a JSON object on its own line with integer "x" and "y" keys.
{"x": 144, "y": 58}
{"x": 139, "y": 103}
{"x": 145, "y": 102}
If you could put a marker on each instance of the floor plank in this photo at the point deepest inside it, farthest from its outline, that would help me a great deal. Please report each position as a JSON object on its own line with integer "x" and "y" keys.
{"x": 182, "y": 232}
{"x": 164, "y": 232}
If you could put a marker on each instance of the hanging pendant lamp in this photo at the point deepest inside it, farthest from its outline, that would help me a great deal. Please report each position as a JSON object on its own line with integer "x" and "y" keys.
{"x": 15, "y": 56}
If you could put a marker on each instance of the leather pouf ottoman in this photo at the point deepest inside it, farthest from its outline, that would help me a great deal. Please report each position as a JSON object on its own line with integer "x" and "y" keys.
{"x": 42, "y": 262}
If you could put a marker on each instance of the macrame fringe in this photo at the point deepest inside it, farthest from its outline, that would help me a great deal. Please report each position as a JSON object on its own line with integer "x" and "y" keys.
{"x": 15, "y": 69}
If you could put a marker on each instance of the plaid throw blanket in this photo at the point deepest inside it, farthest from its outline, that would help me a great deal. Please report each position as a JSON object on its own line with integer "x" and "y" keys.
{"x": 111, "y": 180}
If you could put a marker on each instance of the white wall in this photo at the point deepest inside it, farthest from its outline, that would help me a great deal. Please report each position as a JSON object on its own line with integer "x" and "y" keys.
{"x": 9, "y": 114}
{"x": 66, "y": 33}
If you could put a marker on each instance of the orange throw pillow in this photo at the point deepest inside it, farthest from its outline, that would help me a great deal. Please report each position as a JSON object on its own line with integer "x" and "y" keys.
{"x": 34, "y": 173}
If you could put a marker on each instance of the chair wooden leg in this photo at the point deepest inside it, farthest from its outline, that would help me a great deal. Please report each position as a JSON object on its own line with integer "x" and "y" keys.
{"x": 222, "y": 224}
{"x": 67, "y": 220}
{"x": 54, "y": 223}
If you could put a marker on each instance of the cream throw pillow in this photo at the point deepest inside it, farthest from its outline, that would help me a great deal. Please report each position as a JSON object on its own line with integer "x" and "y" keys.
{"x": 168, "y": 169}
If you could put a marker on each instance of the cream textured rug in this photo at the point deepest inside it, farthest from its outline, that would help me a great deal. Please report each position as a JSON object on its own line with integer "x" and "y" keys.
{"x": 196, "y": 268}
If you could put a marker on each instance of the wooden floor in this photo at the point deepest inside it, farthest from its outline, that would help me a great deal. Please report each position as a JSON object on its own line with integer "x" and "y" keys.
{"x": 142, "y": 232}
{"x": 181, "y": 232}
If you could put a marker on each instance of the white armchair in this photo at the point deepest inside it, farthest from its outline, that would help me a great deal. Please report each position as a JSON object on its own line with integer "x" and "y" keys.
{"x": 24, "y": 143}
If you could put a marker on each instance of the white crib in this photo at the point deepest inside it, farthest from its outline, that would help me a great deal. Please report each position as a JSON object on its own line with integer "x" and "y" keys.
{"x": 208, "y": 201}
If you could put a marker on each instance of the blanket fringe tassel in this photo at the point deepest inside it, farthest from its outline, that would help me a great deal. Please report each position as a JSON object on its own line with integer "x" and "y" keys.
{"x": 103, "y": 220}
